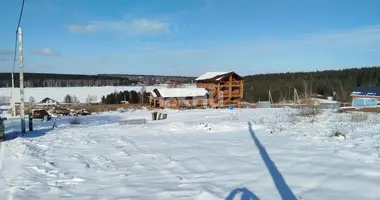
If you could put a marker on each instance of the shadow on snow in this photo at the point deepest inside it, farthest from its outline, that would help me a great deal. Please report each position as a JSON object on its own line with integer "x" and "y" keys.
{"x": 245, "y": 194}
{"x": 41, "y": 129}
{"x": 280, "y": 183}
{"x": 29, "y": 134}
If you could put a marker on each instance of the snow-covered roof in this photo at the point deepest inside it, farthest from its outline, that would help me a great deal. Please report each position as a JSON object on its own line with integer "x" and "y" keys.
{"x": 46, "y": 99}
{"x": 179, "y": 92}
{"x": 210, "y": 75}
{"x": 324, "y": 100}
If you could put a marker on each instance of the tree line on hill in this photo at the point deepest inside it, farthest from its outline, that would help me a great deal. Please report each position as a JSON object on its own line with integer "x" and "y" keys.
{"x": 154, "y": 79}
{"x": 336, "y": 83}
{"x": 131, "y": 97}
{"x": 62, "y": 80}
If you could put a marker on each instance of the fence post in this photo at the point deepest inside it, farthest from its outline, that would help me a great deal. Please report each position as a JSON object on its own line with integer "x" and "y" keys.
{"x": 1, "y": 129}
{"x": 30, "y": 122}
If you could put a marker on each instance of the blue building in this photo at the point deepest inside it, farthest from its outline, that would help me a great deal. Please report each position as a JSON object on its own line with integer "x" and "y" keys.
{"x": 365, "y": 96}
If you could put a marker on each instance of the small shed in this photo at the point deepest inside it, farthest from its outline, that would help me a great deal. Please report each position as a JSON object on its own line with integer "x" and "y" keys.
{"x": 366, "y": 92}
{"x": 48, "y": 101}
{"x": 39, "y": 113}
{"x": 124, "y": 102}
{"x": 178, "y": 97}
{"x": 365, "y": 96}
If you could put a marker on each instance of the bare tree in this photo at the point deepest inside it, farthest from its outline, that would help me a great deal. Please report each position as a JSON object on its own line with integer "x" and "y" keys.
{"x": 142, "y": 92}
{"x": 305, "y": 88}
{"x": 91, "y": 99}
{"x": 311, "y": 83}
{"x": 343, "y": 93}
{"x": 32, "y": 100}
{"x": 68, "y": 99}
{"x": 75, "y": 99}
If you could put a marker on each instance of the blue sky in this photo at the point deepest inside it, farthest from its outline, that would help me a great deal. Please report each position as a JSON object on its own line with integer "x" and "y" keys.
{"x": 191, "y": 37}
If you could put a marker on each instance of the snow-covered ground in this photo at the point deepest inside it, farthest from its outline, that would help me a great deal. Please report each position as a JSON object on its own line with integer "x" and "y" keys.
{"x": 4, "y": 111}
{"x": 195, "y": 154}
{"x": 58, "y": 93}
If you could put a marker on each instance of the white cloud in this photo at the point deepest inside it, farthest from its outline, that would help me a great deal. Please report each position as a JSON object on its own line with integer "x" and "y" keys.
{"x": 6, "y": 52}
{"x": 363, "y": 39}
{"x": 45, "y": 52}
{"x": 363, "y": 36}
{"x": 82, "y": 29}
{"x": 123, "y": 27}
{"x": 185, "y": 52}
{"x": 360, "y": 36}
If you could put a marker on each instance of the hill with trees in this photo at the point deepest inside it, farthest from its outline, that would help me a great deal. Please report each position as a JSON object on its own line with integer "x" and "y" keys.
{"x": 325, "y": 83}
{"x": 256, "y": 87}
{"x": 79, "y": 80}
{"x": 63, "y": 80}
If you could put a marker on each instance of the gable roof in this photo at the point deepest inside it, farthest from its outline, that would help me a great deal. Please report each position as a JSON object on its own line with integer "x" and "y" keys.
{"x": 179, "y": 92}
{"x": 46, "y": 99}
{"x": 215, "y": 76}
{"x": 366, "y": 91}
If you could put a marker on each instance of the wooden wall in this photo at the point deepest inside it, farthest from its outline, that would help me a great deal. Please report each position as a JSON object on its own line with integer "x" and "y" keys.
{"x": 179, "y": 102}
{"x": 228, "y": 91}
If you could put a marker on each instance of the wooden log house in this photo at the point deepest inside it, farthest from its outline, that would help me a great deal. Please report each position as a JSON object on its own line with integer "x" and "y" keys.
{"x": 225, "y": 88}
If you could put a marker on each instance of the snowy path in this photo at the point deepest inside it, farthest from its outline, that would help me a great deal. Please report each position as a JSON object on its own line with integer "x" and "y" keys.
{"x": 180, "y": 159}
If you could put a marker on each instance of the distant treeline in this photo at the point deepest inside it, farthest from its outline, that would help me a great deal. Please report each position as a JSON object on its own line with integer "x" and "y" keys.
{"x": 62, "y": 80}
{"x": 325, "y": 83}
{"x": 153, "y": 79}
{"x": 130, "y": 96}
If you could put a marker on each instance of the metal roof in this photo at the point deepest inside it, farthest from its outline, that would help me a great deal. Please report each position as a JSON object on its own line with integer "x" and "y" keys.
{"x": 366, "y": 91}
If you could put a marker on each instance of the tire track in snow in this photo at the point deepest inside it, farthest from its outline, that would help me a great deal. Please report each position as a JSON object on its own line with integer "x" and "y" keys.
{"x": 44, "y": 172}
{"x": 151, "y": 162}
{"x": 12, "y": 172}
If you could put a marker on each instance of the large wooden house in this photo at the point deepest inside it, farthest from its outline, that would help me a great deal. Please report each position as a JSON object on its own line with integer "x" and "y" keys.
{"x": 225, "y": 88}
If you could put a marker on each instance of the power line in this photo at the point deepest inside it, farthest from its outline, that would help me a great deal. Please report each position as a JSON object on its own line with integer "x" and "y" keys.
{"x": 20, "y": 17}
{"x": 16, "y": 40}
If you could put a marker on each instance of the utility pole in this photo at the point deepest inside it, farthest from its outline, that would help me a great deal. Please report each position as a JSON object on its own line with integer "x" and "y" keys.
{"x": 21, "y": 61}
{"x": 13, "y": 106}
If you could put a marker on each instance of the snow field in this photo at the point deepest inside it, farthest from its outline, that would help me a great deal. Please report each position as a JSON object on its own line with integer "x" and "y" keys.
{"x": 194, "y": 154}
{"x": 58, "y": 93}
